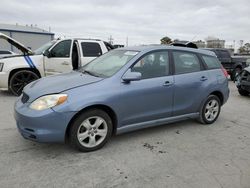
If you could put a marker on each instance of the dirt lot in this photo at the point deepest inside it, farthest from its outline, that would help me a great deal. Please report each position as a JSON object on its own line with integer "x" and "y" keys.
{"x": 185, "y": 155}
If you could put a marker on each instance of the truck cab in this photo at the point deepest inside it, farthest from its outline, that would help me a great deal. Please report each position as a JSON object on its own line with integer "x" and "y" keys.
{"x": 55, "y": 57}
{"x": 70, "y": 54}
{"x": 232, "y": 64}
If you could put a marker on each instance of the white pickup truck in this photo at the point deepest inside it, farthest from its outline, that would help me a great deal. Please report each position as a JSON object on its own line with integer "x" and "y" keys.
{"x": 57, "y": 56}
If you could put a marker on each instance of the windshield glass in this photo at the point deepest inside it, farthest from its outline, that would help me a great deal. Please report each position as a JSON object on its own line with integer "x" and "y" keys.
{"x": 108, "y": 64}
{"x": 44, "y": 47}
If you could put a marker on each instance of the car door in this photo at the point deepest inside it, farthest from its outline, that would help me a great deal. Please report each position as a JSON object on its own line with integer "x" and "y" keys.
{"x": 59, "y": 59}
{"x": 191, "y": 81}
{"x": 90, "y": 50}
{"x": 150, "y": 98}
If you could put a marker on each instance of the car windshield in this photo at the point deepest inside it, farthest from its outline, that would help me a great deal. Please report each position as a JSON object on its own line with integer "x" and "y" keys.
{"x": 46, "y": 46}
{"x": 108, "y": 64}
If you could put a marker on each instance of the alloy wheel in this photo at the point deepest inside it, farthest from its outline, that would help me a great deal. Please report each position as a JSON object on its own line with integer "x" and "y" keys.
{"x": 212, "y": 110}
{"x": 92, "y": 131}
{"x": 20, "y": 80}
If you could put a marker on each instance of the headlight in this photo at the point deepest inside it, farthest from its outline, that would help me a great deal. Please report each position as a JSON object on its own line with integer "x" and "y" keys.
{"x": 1, "y": 67}
{"x": 48, "y": 101}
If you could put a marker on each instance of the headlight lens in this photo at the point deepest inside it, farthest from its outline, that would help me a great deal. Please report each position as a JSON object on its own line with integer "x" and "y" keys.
{"x": 1, "y": 67}
{"x": 48, "y": 101}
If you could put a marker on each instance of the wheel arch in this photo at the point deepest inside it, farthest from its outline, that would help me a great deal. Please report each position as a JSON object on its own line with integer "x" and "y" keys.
{"x": 12, "y": 72}
{"x": 219, "y": 95}
{"x": 105, "y": 108}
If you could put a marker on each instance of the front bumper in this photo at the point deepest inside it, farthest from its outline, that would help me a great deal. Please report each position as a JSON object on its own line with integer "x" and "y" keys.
{"x": 41, "y": 126}
{"x": 4, "y": 80}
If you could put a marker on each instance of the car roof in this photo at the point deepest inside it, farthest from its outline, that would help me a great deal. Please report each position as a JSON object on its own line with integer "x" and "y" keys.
{"x": 148, "y": 48}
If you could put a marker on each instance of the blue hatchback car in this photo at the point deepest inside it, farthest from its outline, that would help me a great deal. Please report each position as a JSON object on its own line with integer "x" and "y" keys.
{"x": 123, "y": 90}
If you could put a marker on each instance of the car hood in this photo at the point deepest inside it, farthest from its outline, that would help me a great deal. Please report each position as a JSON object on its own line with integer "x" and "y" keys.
{"x": 58, "y": 83}
{"x": 17, "y": 44}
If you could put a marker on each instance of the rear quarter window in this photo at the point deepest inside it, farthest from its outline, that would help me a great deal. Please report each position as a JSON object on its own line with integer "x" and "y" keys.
{"x": 211, "y": 62}
{"x": 91, "y": 49}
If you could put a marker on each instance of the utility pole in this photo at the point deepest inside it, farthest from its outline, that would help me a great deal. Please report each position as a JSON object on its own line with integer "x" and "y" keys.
{"x": 234, "y": 46}
{"x": 110, "y": 39}
{"x": 127, "y": 41}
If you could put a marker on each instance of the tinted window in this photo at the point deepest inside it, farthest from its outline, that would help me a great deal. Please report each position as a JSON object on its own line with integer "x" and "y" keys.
{"x": 153, "y": 65}
{"x": 62, "y": 49}
{"x": 186, "y": 62}
{"x": 224, "y": 54}
{"x": 5, "y": 52}
{"x": 91, "y": 49}
{"x": 211, "y": 62}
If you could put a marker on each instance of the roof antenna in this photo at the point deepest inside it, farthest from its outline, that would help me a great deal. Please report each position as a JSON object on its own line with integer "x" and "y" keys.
{"x": 193, "y": 38}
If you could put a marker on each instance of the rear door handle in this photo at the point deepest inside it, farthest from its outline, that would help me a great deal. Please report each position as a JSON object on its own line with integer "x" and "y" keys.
{"x": 65, "y": 63}
{"x": 203, "y": 78}
{"x": 168, "y": 83}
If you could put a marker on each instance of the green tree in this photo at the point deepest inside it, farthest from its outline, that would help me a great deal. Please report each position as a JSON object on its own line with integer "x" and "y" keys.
{"x": 245, "y": 49}
{"x": 166, "y": 40}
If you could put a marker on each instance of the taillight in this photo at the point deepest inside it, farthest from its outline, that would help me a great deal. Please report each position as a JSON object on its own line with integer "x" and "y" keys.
{"x": 225, "y": 72}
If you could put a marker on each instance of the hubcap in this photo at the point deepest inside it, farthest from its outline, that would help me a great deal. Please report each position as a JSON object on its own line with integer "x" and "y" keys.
{"x": 92, "y": 131}
{"x": 212, "y": 110}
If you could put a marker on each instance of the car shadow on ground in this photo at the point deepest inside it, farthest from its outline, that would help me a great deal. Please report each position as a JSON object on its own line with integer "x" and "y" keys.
{"x": 7, "y": 94}
{"x": 52, "y": 150}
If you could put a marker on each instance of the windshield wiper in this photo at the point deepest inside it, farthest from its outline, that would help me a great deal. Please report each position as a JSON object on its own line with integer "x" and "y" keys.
{"x": 90, "y": 73}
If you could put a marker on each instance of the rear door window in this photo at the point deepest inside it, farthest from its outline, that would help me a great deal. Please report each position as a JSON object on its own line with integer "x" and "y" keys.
{"x": 225, "y": 54}
{"x": 91, "y": 49}
{"x": 186, "y": 62}
{"x": 211, "y": 62}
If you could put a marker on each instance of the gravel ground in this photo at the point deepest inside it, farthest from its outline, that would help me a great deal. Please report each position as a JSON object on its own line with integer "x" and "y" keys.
{"x": 185, "y": 154}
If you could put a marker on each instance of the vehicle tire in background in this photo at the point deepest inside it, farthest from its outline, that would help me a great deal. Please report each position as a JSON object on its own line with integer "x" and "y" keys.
{"x": 243, "y": 92}
{"x": 91, "y": 130}
{"x": 20, "y": 79}
{"x": 210, "y": 110}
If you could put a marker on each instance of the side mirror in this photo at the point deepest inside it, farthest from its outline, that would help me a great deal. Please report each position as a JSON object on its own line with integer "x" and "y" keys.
{"x": 131, "y": 76}
{"x": 47, "y": 53}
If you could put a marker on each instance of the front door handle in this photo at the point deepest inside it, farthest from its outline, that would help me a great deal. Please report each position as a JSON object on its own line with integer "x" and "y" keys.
{"x": 65, "y": 63}
{"x": 168, "y": 83}
{"x": 203, "y": 78}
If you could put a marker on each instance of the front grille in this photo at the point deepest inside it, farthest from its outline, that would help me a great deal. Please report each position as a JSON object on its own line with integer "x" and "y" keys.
{"x": 25, "y": 98}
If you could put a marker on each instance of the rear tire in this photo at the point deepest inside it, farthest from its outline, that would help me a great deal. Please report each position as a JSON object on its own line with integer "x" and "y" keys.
{"x": 20, "y": 79}
{"x": 210, "y": 110}
{"x": 91, "y": 130}
{"x": 243, "y": 92}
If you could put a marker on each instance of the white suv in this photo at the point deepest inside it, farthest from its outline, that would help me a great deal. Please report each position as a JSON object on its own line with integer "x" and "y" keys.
{"x": 57, "y": 56}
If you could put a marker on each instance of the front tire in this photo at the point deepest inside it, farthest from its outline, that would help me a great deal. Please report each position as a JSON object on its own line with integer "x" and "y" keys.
{"x": 243, "y": 92}
{"x": 20, "y": 79}
{"x": 210, "y": 110}
{"x": 91, "y": 130}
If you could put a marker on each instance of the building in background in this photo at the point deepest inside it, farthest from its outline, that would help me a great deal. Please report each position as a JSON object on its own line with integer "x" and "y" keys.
{"x": 31, "y": 36}
{"x": 215, "y": 43}
{"x": 200, "y": 43}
